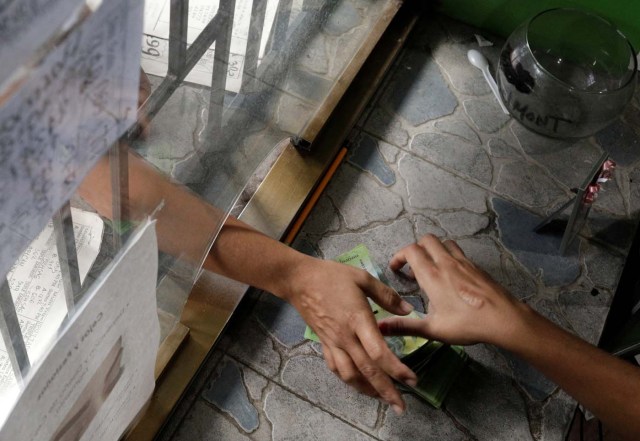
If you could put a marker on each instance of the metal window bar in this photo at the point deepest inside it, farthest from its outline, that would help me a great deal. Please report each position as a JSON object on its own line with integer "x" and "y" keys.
{"x": 278, "y": 35}
{"x": 258, "y": 11}
{"x": 178, "y": 25}
{"x": 12, "y": 334}
{"x": 182, "y": 59}
{"x": 67, "y": 256}
{"x": 272, "y": 66}
{"x": 119, "y": 170}
{"x": 193, "y": 54}
{"x": 276, "y": 62}
{"x": 220, "y": 70}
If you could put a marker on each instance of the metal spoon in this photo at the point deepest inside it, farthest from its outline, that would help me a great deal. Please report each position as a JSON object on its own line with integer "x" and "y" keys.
{"x": 479, "y": 61}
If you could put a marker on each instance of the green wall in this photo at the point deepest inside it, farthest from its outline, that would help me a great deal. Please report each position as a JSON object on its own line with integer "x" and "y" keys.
{"x": 502, "y": 16}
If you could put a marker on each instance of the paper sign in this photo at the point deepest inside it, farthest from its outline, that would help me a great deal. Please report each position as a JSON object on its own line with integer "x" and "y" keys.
{"x": 25, "y": 26}
{"x": 100, "y": 372}
{"x": 38, "y": 295}
{"x": 64, "y": 118}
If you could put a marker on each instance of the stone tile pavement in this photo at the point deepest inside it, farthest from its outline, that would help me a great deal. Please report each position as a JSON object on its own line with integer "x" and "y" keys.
{"x": 433, "y": 154}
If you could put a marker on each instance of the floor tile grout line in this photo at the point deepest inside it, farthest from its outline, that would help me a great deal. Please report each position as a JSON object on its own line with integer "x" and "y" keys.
{"x": 306, "y": 399}
{"x": 562, "y": 186}
{"x": 197, "y": 395}
{"x": 467, "y": 179}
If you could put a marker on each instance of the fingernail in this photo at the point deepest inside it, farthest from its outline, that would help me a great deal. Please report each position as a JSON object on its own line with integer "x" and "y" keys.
{"x": 406, "y": 307}
{"x": 397, "y": 409}
{"x": 412, "y": 382}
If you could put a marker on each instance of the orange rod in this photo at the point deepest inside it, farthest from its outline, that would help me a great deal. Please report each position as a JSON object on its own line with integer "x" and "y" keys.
{"x": 306, "y": 210}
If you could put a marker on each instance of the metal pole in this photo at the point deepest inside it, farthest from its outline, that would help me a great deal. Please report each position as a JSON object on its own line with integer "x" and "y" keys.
{"x": 194, "y": 53}
{"x": 178, "y": 25}
{"x": 12, "y": 334}
{"x": 220, "y": 68}
{"x": 258, "y": 10}
{"x": 67, "y": 255}
{"x": 278, "y": 35}
{"x": 119, "y": 165}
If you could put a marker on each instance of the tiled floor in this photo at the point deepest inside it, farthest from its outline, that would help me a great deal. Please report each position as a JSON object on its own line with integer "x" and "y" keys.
{"x": 434, "y": 154}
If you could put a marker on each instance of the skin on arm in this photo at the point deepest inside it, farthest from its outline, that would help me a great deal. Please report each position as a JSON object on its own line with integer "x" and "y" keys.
{"x": 184, "y": 223}
{"x": 467, "y": 306}
{"x": 331, "y": 297}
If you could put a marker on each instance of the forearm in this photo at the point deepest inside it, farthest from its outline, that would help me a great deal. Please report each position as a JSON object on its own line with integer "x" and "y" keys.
{"x": 185, "y": 223}
{"x": 244, "y": 254}
{"x": 604, "y": 384}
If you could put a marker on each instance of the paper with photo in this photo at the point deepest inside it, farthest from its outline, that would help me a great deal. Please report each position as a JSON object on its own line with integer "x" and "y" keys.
{"x": 38, "y": 294}
{"x": 100, "y": 372}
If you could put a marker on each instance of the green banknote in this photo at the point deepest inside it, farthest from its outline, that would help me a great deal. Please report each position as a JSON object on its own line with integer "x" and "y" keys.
{"x": 436, "y": 364}
{"x": 359, "y": 258}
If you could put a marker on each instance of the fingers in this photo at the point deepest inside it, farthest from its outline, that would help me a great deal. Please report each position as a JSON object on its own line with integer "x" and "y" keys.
{"x": 144, "y": 91}
{"x": 144, "y": 85}
{"x": 353, "y": 365}
{"x": 328, "y": 358}
{"x": 434, "y": 247}
{"x": 377, "y": 378}
{"x": 379, "y": 352}
{"x": 347, "y": 371}
{"x": 404, "y": 326}
{"x": 398, "y": 261}
{"x": 377, "y": 363}
{"x": 145, "y": 127}
{"x": 413, "y": 254}
{"x": 428, "y": 250}
{"x": 454, "y": 249}
{"x": 385, "y": 296}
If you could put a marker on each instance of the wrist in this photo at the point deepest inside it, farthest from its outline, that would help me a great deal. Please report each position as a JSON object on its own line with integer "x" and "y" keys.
{"x": 520, "y": 327}
{"x": 295, "y": 275}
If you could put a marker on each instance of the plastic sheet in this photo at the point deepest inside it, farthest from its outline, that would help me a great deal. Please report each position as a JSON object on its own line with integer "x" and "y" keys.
{"x": 70, "y": 139}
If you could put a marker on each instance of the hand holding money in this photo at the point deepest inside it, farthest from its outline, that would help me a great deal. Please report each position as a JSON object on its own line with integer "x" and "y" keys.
{"x": 466, "y": 305}
{"x": 332, "y": 299}
{"x": 435, "y": 364}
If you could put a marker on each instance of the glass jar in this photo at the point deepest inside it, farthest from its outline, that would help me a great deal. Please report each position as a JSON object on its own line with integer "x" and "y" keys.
{"x": 566, "y": 73}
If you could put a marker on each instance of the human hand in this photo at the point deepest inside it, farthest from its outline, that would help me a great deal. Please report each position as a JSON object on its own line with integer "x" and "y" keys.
{"x": 331, "y": 297}
{"x": 466, "y": 305}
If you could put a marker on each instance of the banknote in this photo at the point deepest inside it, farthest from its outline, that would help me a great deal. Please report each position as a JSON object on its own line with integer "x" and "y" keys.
{"x": 436, "y": 364}
{"x": 401, "y": 346}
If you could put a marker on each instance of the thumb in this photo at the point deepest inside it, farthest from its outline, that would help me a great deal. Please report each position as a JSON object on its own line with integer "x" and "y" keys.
{"x": 386, "y": 297}
{"x": 404, "y": 326}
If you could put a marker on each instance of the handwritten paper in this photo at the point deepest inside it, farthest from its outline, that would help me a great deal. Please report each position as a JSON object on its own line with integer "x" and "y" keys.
{"x": 25, "y": 26}
{"x": 38, "y": 295}
{"x": 155, "y": 42}
{"x": 100, "y": 373}
{"x": 64, "y": 118}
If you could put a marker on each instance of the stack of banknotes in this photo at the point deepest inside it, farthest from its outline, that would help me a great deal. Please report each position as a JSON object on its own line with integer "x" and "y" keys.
{"x": 436, "y": 364}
